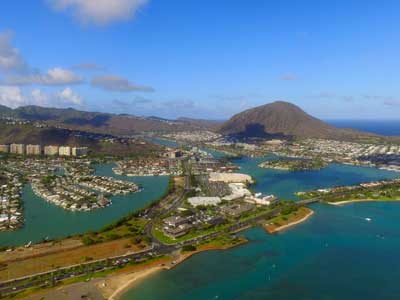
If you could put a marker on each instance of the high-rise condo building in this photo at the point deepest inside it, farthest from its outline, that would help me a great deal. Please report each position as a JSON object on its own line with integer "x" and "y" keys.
{"x": 64, "y": 151}
{"x": 17, "y": 148}
{"x": 51, "y": 150}
{"x": 79, "y": 151}
{"x": 33, "y": 150}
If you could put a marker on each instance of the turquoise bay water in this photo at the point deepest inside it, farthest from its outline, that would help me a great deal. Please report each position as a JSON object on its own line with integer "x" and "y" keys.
{"x": 336, "y": 254}
{"x": 284, "y": 183}
{"x": 43, "y": 219}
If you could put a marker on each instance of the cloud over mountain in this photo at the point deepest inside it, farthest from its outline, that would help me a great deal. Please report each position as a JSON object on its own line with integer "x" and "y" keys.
{"x": 13, "y": 96}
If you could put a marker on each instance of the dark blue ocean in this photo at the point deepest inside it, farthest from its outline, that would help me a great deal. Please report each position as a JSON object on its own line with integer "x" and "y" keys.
{"x": 382, "y": 127}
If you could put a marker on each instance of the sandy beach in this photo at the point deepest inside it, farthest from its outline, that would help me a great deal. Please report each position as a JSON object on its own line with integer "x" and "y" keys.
{"x": 115, "y": 285}
{"x": 123, "y": 282}
{"x": 286, "y": 226}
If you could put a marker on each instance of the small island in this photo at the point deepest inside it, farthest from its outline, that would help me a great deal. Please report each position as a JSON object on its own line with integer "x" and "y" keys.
{"x": 294, "y": 164}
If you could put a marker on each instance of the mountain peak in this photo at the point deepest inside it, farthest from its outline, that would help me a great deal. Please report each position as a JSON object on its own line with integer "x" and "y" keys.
{"x": 280, "y": 119}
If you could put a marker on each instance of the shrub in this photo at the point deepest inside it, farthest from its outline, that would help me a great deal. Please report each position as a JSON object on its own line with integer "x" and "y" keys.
{"x": 86, "y": 240}
{"x": 189, "y": 248}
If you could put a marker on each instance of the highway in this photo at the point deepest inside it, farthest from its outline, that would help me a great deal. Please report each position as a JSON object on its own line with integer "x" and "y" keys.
{"x": 164, "y": 208}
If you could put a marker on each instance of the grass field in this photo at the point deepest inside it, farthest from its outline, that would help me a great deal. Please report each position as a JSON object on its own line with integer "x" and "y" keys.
{"x": 15, "y": 269}
{"x": 284, "y": 220}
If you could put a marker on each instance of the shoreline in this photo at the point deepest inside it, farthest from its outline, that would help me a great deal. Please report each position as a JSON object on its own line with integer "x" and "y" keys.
{"x": 129, "y": 280}
{"x": 132, "y": 280}
{"x": 339, "y": 203}
{"x": 290, "y": 224}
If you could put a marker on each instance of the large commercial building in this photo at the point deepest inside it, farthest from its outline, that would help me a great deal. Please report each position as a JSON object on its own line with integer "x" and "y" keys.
{"x": 204, "y": 201}
{"x": 33, "y": 150}
{"x": 4, "y": 148}
{"x": 64, "y": 151}
{"x": 230, "y": 177}
{"x": 51, "y": 150}
{"x": 17, "y": 149}
{"x": 79, "y": 151}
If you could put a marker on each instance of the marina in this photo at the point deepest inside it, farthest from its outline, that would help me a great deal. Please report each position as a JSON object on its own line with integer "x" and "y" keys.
{"x": 43, "y": 219}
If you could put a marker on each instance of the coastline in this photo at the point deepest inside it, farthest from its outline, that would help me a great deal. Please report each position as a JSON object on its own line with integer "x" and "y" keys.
{"x": 115, "y": 285}
{"x": 339, "y": 203}
{"x": 272, "y": 229}
{"x": 130, "y": 280}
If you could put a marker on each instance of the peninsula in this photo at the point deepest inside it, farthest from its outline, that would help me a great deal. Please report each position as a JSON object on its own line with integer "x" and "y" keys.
{"x": 385, "y": 190}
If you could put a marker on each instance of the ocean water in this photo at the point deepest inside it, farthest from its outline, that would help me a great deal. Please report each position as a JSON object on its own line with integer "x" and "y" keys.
{"x": 336, "y": 254}
{"x": 382, "y": 127}
{"x": 43, "y": 219}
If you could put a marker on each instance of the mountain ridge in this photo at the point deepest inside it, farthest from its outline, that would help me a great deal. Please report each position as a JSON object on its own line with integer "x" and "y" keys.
{"x": 279, "y": 119}
{"x": 99, "y": 122}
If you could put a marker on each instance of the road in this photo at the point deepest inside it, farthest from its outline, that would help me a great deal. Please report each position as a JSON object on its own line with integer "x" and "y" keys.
{"x": 162, "y": 210}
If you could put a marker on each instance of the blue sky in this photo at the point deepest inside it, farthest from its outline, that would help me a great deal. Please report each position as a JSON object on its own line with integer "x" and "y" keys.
{"x": 204, "y": 59}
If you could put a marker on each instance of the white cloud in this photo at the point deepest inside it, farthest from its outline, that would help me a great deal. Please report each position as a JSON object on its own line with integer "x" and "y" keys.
{"x": 67, "y": 96}
{"x": 10, "y": 58}
{"x": 115, "y": 83}
{"x": 99, "y": 12}
{"x": 11, "y": 96}
{"x": 39, "y": 98}
{"x": 19, "y": 72}
{"x": 55, "y": 76}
